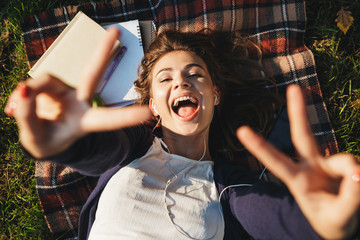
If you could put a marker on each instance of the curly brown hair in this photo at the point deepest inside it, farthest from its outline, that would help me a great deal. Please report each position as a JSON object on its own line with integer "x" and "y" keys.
{"x": 248, "y": 96}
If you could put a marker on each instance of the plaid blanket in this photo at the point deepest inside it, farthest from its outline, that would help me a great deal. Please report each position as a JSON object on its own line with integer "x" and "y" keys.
{"x": 277, "y": 26}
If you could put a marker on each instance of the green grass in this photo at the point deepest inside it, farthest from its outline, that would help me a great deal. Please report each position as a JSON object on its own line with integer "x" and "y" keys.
{"x": 20, "y": 214}
{"x": 338, "y": 66}
{"x": 337, "y": 59}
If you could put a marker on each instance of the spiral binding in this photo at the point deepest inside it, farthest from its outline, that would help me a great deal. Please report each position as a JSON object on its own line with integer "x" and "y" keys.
{"x": 139, "y": 35}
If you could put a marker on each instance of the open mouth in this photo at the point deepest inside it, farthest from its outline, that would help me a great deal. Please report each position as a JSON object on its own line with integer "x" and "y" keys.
{"x": 185, "y": 106}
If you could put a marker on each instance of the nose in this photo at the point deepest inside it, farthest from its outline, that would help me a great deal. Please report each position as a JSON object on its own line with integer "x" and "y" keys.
{"x": 181, "y": 82}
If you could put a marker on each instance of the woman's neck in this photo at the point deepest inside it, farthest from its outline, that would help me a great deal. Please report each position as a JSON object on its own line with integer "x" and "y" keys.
{"x": 192, "y": 147}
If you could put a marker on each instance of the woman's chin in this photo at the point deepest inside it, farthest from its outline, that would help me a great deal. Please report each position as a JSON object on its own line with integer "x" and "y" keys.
{"x": 187, "y": 129}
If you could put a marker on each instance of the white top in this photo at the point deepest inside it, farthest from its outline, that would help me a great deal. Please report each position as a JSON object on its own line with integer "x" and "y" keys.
{"x": 160, "y": 196}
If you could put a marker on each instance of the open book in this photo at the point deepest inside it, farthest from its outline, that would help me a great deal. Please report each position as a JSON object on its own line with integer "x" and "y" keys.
{"x": 68, "y": 55}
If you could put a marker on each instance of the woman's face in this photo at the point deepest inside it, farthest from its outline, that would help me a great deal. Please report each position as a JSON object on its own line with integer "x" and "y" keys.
{"x": 182, "y": 93}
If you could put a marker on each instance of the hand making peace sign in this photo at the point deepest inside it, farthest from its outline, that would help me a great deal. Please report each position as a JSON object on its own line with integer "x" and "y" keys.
{"x": 44, "y": 132}
{"x": 326, "y": 189}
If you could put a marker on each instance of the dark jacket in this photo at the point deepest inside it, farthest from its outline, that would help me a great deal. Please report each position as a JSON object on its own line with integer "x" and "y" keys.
{"x": 261, "y": 211}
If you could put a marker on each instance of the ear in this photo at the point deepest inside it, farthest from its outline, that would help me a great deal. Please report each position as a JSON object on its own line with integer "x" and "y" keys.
{"x": 216, "y": 96}
{"x": 153, "y": 107}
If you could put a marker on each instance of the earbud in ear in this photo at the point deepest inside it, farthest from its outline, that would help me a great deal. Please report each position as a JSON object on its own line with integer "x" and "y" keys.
{"x": 215, "y": 99}
{"x": 156, "y": 111}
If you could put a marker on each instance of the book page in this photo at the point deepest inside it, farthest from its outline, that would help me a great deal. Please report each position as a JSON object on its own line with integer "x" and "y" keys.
{"x": 119, "y": 89}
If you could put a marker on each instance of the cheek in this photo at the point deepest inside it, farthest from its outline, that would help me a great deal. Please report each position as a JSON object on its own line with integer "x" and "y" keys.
{"x": 209, "y": 100}
{"x": 161, "y": 92}
{"x": 207, "y": 90}
{"x": 160, "y": 96}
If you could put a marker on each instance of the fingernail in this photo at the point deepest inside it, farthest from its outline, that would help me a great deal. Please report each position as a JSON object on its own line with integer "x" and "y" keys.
{"x": 7, "y": 111}
{"x": 10, "y": 108}
{"x": 23, "y": 90}
{"x": 356, "y": 176}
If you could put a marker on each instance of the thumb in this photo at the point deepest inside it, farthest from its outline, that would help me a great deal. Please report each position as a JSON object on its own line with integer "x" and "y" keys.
{"x": 344, "y": 166}
{"x": 106, "y": 119}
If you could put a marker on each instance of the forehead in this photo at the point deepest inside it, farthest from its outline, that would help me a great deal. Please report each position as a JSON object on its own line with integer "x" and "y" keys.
{"x": 177, "y": 59}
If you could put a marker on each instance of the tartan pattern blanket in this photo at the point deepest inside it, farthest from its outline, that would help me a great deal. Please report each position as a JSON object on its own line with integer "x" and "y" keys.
{"x": 278, "y": 26}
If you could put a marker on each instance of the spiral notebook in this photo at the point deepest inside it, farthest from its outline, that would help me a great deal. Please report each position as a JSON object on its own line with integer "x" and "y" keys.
{"x": 136, "y": 36}
{"x": 119, "y": 90}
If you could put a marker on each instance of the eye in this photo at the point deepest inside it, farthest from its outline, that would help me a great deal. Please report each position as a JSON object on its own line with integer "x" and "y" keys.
{"x": 193, "y": 75}
{"x": 165, "y": 80}
{"x": 164, "y": 77}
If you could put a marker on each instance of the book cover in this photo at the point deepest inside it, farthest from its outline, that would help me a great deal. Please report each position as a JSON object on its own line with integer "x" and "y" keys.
{"x": 70, "y": 52}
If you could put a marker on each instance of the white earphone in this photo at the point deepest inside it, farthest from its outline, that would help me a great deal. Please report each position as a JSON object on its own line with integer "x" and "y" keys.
{"x": 156, "y": 111}
{"x": 215, "y": 96}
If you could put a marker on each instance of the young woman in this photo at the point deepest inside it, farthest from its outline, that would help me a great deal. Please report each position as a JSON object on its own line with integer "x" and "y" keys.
{"x": 180, "y": 184}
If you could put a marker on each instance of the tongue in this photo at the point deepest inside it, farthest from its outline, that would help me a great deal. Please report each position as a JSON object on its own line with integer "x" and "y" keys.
{"x": 186, "y": 111}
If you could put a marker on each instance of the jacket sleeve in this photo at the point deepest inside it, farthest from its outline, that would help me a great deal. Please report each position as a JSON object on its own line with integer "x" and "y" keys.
{"x": 98, "y": 152}
{"x": 265, "y": 210}
{"x": 268, "y": 211}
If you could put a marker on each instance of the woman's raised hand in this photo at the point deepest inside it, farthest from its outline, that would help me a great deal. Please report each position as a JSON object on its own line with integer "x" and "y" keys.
{"x": 326, "y": 189}
{"x": 51, "y": 116}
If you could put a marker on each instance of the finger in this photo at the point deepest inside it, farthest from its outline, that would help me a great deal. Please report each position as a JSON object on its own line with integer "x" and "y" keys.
{"x": 97, "y": 65}
{"x": 278, "y": 163}
{"x": 106, "y": 119}
{"x": 301, "y": 133}
{"x": 28, "y": 122}
{"x": 340, "y": 164}
{"x": 24, "y": 98}
{"x": 48, "y": 90}
{"x": 11, "y": 104}
{"x": 344, "y": 166}
{"x": 48, "y": 84}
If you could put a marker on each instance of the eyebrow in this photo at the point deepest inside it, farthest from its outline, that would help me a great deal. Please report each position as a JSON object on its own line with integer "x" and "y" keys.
{"x": 186, "y": 67}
